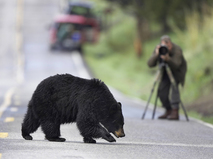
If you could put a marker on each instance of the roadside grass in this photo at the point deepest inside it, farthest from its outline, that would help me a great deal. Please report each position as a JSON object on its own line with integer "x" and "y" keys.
{"x": 114, "y": 61}
{"x": 200, "y": 117}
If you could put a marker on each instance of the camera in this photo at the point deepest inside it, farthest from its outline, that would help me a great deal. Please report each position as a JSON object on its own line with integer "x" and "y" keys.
{"x": 163, "y": 50}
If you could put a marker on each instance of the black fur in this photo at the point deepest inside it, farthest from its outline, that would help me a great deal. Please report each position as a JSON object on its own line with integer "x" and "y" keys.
{"x": 65, "y": 98}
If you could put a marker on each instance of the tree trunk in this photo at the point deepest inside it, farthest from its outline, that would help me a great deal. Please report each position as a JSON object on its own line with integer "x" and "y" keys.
{"x": 139, "y": 37}
{"x": 142, "y": 34}
{"x": 166, "y": 27}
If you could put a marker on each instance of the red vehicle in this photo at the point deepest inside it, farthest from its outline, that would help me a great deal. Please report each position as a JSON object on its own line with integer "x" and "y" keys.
{"x": 70, "y": 31}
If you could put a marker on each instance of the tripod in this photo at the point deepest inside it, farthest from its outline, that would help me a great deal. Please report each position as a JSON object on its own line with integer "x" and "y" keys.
{"x": 159, "y": 78}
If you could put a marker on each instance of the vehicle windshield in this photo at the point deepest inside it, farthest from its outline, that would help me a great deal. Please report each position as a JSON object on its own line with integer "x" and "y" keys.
{"x": 65, "y": 30}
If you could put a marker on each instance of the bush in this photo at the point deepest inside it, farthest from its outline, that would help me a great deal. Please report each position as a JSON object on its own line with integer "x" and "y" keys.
{"x": 122, "y": 35}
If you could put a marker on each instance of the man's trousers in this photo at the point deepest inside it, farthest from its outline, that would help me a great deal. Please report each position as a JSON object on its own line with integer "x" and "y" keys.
{"x": 168, "y": 94}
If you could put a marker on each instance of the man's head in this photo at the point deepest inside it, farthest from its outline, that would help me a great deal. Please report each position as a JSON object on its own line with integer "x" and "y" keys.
{"x": 165, "y": 40}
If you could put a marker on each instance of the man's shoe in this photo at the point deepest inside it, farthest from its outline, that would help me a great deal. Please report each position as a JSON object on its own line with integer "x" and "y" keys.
{"x": 165, "y": 115}
{"x": 174, "y": 115}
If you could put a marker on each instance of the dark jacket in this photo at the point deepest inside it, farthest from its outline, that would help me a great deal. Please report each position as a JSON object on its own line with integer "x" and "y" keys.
{"x": 177, "y": 63}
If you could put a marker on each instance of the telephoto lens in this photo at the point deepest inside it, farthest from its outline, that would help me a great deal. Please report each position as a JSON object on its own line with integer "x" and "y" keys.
{"x": 163, "y": 50}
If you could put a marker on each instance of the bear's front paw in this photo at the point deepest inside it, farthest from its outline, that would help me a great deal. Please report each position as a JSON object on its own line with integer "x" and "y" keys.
{"x": 89, "y": 140}
{"x": 109, "y": 138}
{"x": 56, "y": 139}
{"x": 28, "y": 137}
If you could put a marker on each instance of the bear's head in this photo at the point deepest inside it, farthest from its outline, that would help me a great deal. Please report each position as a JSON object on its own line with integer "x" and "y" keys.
{"x": 115, "y": 121}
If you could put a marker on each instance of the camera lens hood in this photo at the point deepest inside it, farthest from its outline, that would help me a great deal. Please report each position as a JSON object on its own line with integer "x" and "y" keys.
{"x": 163, "y": 50}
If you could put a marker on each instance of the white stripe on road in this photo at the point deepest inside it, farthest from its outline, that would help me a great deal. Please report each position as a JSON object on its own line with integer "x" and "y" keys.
{"x": 17, "y": 103}
{"x": 79, "y": 64}
{"x": 204, "y": 123}
{"x": 168, "y": 144}
{"x": 13, "y": 109}
{"x": 7, "y": 100}
{"x": 17, "y": 100}
{"x": 179, "y": 145}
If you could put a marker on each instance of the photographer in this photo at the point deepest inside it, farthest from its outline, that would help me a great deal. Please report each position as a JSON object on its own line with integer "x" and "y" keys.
{"x": 173, "y": 57}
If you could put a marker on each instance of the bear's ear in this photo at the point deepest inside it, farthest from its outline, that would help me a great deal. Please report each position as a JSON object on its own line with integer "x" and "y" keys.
{"x": 119, "y": 105}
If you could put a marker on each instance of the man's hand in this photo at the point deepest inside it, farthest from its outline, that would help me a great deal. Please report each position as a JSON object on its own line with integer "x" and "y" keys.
{"x": 165, "y": 57}
{"x": 157, "y": 50}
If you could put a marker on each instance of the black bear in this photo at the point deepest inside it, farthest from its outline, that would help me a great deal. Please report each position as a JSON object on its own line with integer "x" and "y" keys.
{"x": 64, "y": 99}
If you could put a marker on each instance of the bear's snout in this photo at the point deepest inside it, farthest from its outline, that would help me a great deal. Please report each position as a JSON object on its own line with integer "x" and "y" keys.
{"x": 119, "y": 133}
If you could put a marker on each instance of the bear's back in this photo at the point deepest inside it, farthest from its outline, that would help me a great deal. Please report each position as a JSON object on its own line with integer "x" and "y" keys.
{"x": 68, "y": 85}
{"x": 66, "y": 95}
{"x": 61, "y": 82}
{"x": 57, "y": 96}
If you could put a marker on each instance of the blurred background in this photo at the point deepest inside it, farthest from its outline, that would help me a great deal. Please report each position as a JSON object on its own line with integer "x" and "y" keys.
{"x": 114, "y": 37}
{"x": 130, "y": 32}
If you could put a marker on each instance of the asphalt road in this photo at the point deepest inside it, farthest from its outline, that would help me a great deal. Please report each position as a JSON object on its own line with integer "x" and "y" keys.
{"x": 25, "y": 60}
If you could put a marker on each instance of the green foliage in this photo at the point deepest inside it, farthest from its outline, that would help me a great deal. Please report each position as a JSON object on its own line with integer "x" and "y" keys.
{"x": 198, "y": 44}
{"x": 162, "y": 11}
{"x": 200, "y": 117}
{"x": 120, "y": 37}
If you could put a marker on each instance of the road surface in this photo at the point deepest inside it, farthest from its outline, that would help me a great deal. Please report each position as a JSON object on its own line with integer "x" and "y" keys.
{"x": 25, "y": 60}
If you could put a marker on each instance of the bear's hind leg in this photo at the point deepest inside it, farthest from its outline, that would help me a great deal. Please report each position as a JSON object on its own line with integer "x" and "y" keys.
{"x": 52, "y": 131}
{"x": 29, "y": 125}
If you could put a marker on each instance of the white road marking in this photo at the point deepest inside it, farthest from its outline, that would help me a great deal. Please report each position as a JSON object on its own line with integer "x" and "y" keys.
{"x": 17, "y": 103}
{"x": 169, "y": 144}
{"x": 17, "y": 100}
{"x": 77, "y": 59}
{"x": 13, "y": 109}
{"x": 203, "y": 123}
{"x": 7, "y": 100}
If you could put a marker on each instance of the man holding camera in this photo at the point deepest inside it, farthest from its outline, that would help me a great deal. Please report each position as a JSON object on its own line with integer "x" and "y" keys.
{"x": 170, "y": 54}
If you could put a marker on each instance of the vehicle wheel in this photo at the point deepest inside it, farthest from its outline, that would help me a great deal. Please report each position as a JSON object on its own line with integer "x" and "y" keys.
{"x": 52, "y": 47}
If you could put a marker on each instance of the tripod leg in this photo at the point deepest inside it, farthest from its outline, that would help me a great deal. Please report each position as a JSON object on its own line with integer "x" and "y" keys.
{"x": 184, "y": 111}
{"x": 169, "y": 72}
{"x": 153, "y": 114}
{"x": 146, "y": 106}
{"x": 148, "y": 100}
